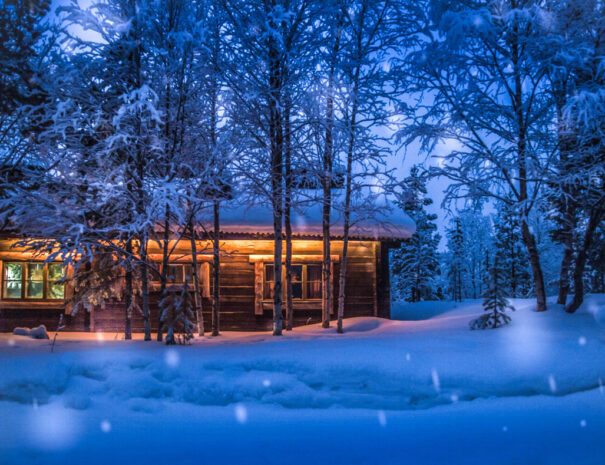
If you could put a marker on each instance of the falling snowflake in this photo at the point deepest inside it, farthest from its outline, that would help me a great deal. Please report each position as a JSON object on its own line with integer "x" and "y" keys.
{"x": 435, "y": 377}
{"x": 552, "y": 383}
{"x": 241, "y": 413}
{"x": 582, "y": 340}
{"x": 171, "y": 358}
{"x": 382, "y": 418}
{"x": 105, "y": 426}
{"x": 266, "y": 382}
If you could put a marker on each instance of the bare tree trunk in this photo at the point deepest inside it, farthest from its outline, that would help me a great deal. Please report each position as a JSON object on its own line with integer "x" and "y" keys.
{"x": 163, "y": 275}
{"x": 145, "y": 288}
{"x": 216, "y": 272}
{"x": 197, "y": 295}
{"x": 347, "y": 205}
{"x": 277, "y": 175}
{"x": 528, "y": 239}
{"x": 326, "y": 290}
{"x": 580, "y": 264}
{"x": 534, "y": 259}
{"x": 287, "y": 218}
{"x": 565, "y": 268}
{"x": 128, "y": 293}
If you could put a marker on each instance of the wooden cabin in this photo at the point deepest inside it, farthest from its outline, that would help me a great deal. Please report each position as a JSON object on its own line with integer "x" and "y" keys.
{"x": 31, "y": 296}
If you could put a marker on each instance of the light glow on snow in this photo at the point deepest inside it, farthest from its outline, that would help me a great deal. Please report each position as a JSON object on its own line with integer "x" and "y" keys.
{"x": 53, "y": 427}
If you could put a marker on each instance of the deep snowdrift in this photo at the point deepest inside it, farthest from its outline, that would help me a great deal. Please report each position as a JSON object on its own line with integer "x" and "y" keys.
{"x": 383, "y": 382}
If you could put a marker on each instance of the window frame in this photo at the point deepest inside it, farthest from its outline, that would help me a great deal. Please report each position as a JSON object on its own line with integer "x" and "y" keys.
{"x": 304, "y": 281}
{"x": 179, "y": 264}
{"x": 25, "y": 280}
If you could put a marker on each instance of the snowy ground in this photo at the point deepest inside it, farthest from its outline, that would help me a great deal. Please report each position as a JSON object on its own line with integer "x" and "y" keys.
{"x": 427, "y": 391}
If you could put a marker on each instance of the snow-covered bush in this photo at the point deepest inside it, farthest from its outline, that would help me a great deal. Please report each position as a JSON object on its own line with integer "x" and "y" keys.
{"x": 495, "y": 303}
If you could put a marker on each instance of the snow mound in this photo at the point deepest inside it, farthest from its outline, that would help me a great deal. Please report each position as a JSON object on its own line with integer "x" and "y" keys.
{"x": 38, "y": 332}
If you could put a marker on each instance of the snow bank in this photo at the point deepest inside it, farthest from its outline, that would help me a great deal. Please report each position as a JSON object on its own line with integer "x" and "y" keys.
{"x": 383, "y": 373}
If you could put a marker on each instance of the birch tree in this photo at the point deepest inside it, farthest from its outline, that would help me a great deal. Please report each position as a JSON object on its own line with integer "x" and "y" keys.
{"x": 475, "y": 71}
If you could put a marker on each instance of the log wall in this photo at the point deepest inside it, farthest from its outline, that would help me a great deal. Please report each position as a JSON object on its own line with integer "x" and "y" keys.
{"x": 363, "y": 297}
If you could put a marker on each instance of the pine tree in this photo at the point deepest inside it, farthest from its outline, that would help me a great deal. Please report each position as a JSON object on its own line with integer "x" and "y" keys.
{"x": 455, "y": 272}
{"x": 177, "y": 313}
{"x": 415, "y": 265}
{"x": 511, "y": 253}
{"x": 495, "y": 303}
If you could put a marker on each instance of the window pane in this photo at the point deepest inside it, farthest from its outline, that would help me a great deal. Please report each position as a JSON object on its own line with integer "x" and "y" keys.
{"x": 314, "y": 289}
{"x": 313, "y": 272}
{"x": 267, "y": 290}
{"x": 188, "y": 273}
{"x": 296, "y": 290}
{"x": 174, "y": 273}
{"x": 269, "y": 273}
{"x": 297, "y": 273}
{"x": 55, "y": 271}
{"x": 34, "y": 290}
{"x": 55, "y": 290}
{"x": 35, "y": 271}
{"x": 12, "y": 289}
{"x": 13, "y": 271}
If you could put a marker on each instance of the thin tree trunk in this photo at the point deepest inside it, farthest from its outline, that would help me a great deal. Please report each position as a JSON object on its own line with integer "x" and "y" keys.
{"x": 580, "y": 264}
{"x": 277, "y": 175}
{"x": 567, "y": 206}
{"x": 565, "y": 268}
{"x": 128, "y": 293}
{"x": 326, "y": 289}
{"x": 163, "y": 275}
{"x": 216, "y": 272}
{"x": 287, "y": 219}
{"x": 528, "y": 238}
{"x": 145, "y": 289}
{"x": 534, "y": 259}
{"x": 197, "y": 295}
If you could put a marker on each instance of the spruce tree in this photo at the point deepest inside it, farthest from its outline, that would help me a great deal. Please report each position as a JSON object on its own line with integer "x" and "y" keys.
{"x": 455, "y": 271}
{"x": 495, "y": 303}
{"x": 177, "y": 314}
{"x": 511, "y": 253}
{"x": 416, "y": 264}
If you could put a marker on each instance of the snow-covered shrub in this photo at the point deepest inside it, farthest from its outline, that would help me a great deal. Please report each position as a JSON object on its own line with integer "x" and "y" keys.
{"x": 495, "y": 303}
{"x": 177, "y": 310}
{"x": 35, "y": 333}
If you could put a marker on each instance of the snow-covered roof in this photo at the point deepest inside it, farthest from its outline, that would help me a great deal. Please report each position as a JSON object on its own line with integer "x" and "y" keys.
{"x": 382, "y": 220}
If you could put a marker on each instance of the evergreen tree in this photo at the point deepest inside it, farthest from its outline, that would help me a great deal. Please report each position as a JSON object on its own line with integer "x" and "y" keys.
{"x": 596, "y": 262}
{"x": 177, "y": 313}
{"x": 477, "y": 237}
{"x": 495, "y": 303}
{"x": 455, "y": 259}
{"x": 511, "y": 253}
{"x": 415, "y": 265}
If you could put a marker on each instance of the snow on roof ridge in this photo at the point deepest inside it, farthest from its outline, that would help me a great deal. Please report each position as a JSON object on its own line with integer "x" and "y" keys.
{"x": 381, "y": 219}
